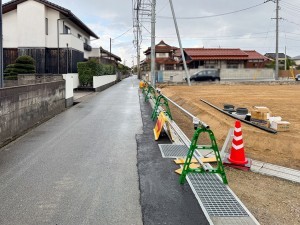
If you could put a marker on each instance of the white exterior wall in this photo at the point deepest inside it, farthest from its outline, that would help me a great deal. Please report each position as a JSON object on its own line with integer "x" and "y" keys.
{"x": 51, "y": 38}
{"x": 94, "y": 53}
{"x": 99, "y": 81}
{"x": 73, "y": 37}
{"x": 26, "y": 27}
{"x": 31, "y": 24}
{"x": 68, "y": 86}
{"x": 75, "y": 79}
{"x": 10, "y": 29}
{"x": 297, "y": 61}
{"x": 73, "y": 42}
{"x": 162, "y": 55}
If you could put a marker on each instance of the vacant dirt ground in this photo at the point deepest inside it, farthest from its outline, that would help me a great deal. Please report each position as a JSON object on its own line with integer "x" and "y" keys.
{"x": 271, "y": 200}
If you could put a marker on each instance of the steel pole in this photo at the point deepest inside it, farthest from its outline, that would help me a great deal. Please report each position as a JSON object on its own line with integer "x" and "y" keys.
{"x": 58, "y": 58}
{"x": 153, "y": 42}
{"x": 180, "y": 45}
{"x": 277, "y": 37}
{"x": 1, "y": 49}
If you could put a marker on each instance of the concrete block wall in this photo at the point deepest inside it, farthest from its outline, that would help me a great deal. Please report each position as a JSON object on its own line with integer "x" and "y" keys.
{"x": 225, "y": 74}
{"x": 247, "y": 74}
{"x": 22, "y": 107}
{"x": 101, "y": 83}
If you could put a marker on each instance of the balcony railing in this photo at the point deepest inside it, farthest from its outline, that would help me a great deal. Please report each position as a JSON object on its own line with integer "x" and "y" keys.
{"x": 87, "y": 47}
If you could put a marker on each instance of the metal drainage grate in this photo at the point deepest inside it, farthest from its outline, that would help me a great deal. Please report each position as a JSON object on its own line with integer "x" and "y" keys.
{"x": 173, "y": 151}
{"x": 215, "y": 197}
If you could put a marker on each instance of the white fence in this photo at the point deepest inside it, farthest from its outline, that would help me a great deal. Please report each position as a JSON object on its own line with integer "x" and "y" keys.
{"x": 99, "y": 81}
{"x": 247, "y": 74}
{"x": 225, "y": 74}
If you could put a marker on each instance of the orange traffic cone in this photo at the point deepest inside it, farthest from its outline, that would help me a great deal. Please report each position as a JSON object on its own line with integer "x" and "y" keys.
{"x": 237, "y": 158}
{"x": 237, "y": 152}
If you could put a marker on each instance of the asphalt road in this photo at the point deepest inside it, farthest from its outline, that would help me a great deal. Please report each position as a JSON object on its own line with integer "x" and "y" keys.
{"x": 79, "y": 167}
{"x": 95, "y": 163}
{"x": 163, "y": 199}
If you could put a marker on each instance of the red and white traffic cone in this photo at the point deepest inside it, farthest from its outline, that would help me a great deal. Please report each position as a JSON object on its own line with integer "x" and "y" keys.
{"x": 237, "y": 156}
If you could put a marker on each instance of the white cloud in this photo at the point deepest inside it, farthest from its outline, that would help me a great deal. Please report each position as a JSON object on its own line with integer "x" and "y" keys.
{"x": 249, "y": 29}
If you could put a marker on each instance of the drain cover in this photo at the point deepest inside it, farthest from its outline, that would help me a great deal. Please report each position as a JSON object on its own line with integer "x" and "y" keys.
{"x": 215, "y": 197}
{"x": 173, "y": 151}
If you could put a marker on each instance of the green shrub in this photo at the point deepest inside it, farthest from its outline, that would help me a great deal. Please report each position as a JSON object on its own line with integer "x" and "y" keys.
{"x": 9, "y": 70}
{"x": 109, "y": 70}
{"x": 25, "y": 59}
{"x": 24, "y": 65}
{"x": 84, "y": 74}
{"x": 86, "y": 71}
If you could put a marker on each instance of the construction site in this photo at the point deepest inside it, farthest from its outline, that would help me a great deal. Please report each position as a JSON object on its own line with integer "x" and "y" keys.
{"x": 271, "y": 199}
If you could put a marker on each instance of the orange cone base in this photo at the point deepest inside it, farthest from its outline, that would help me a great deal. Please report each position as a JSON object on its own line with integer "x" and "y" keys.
{"x": 244, "y": 168}
{"x": 227, "y": 162}
{"x": 234, "y": 161}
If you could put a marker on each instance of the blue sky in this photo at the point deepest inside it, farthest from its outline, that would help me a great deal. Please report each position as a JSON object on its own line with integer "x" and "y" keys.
{"x": 249, "y": 29}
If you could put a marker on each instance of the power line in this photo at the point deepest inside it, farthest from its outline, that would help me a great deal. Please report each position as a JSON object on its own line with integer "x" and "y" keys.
{"x": 131, "y": 28}
{"x": 286, "y": 20}
{"x": 222, "y": 14}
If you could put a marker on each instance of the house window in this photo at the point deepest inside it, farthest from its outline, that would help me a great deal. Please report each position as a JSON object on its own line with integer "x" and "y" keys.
{"x": 169, "y": 67}
{"x": 79, "y": 36}
{"x": 46, "y": 26}
{"x": 232, "y": 64}
{"x": 210, "y": 64}
{"x": 161, "y": 55}
{"x": 86, "y": 40}
{"x": 67, "y": 30}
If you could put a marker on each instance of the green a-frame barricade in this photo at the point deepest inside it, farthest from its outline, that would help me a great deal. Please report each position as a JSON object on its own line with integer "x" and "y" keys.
{"x": 161, "y": 101}
{"x": 219, "y": 169}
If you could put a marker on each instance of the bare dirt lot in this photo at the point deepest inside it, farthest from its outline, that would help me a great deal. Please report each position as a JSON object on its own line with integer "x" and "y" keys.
{"x": 271, "y": 200}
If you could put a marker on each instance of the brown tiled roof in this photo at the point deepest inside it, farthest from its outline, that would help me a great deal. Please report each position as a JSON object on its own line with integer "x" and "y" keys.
{"x": 161, "y": 49}
{"x": 12, "y": 5}
{"x": 165, "y": 61}
{"x": 252, "y": 54}
{"x": 215, "y": 53}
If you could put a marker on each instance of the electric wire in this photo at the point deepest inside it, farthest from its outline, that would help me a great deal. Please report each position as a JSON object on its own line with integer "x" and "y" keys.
{"x": 222, "y": 14}
{"x": 123, "y": 33}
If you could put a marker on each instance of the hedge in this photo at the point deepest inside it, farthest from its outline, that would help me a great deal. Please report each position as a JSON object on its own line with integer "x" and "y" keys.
{"x": 86, "y": 71}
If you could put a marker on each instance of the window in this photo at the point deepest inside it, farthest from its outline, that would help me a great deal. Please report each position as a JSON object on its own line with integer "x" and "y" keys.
{"x": 67, "y": 30}
{"x": 79, "y": 36}
{"x": 169, "y": 67}
{"x": 86, "y": 40}
{"x": 161, "y": 55}
{"x": 46, "y": 26}
{"x": 232, "y": 64}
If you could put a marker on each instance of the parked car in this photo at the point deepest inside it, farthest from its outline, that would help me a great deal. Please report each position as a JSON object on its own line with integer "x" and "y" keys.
{"x": 297, "y": 77}
{"x": 206, "y": 75}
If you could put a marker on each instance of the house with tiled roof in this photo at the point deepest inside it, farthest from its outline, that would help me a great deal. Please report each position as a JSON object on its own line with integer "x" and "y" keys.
{"x": 297, "y": 60}
{"x": 51, "y": 34}
{"x": 169, "y": 58}
{"x": 104, "y": 56}
{"x": 164, "y": 57}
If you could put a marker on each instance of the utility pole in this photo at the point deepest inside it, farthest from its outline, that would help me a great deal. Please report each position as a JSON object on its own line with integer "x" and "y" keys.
{"x": 138, "y": 56}
{"x": 179, "y": 41}
{"x": 1, "y": 49}
{"x": 109, "y": 50}
{"x": 277, "y": 37}
{"x": 153, "y": 5}
{"x": 285, "y": 63}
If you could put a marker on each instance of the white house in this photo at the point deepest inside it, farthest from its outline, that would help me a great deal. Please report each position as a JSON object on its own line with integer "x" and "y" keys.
{"x": 51, "y": 34}
{"x": 104, "y": 56}
{"x": 297, "y": 60}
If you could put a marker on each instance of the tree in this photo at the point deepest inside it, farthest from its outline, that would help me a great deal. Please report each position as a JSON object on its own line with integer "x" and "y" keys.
{"x": 23, "y": 65}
